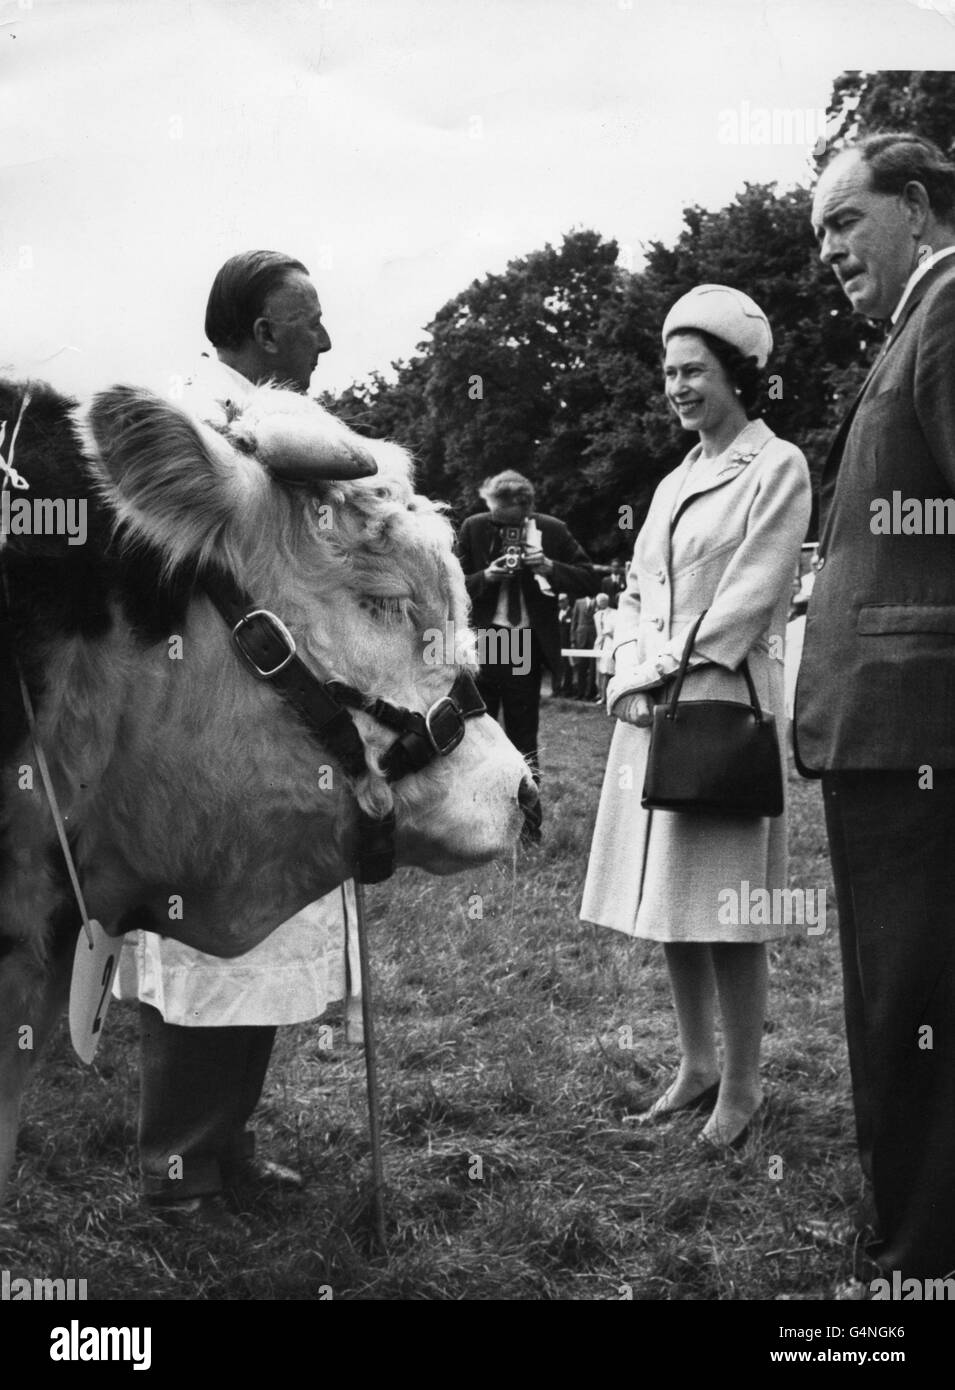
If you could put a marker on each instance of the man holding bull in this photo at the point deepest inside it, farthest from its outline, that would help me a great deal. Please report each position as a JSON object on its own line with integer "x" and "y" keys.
{"x": 208, "y": 1025}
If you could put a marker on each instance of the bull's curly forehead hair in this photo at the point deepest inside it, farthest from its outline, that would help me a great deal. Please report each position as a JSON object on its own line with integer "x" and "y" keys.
{"x": 239, "y": 292}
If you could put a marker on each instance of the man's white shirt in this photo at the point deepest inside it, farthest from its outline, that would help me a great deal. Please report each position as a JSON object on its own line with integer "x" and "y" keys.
{"x": 921, "y": 270}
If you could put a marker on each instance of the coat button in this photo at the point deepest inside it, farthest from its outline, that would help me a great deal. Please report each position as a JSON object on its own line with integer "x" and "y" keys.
{"x": 818, "y": 563}
{"x": 658, "y": 624}
{"x": 662, "y": 576}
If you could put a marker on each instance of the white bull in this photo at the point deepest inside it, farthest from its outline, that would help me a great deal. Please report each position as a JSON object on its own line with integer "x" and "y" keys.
{"x": 182, "y": 778}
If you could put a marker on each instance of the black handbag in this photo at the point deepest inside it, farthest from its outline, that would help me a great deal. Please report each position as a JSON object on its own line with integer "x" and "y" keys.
{"x": 713, "y": 755}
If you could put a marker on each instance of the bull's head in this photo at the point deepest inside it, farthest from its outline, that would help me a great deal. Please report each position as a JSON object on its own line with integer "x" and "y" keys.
{"x": 216, "y": 792}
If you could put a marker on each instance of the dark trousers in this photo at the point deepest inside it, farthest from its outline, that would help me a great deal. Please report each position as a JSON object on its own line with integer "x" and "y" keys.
{"x": 198, "y": 1088}
{"x": 585, "y": 678}
{"x": 565, "y": 684}
{"x": 893, "y": 862}
{"x": 514, "y": 700}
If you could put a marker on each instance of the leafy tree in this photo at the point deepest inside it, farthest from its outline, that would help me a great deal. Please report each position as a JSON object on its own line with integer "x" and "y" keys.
{"x": 383, "y": 409}
{"x": 505, "y": 380}
{"x": 511, "y": 373}
{"x": 553, "y": 367}
{"x": 865, "y": 102}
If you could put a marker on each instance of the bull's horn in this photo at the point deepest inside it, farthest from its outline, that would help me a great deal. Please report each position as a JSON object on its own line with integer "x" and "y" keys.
{"x": 304, "y": 450}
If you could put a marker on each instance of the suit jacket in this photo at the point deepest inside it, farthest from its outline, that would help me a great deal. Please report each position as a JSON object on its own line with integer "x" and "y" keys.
{"x": 583, "y": 627}
{"x": 876, "y": 686}
{"x": 734, "y": 553}
{"x": 613, "y": 588}
{"x": 565, "y": 622}
{"x": 479, "y": 544}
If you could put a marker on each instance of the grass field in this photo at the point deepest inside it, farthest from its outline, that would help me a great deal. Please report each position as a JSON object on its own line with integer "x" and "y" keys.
{"x": 513, "y": 1169}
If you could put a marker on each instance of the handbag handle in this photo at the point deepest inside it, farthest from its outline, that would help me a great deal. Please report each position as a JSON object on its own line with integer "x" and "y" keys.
{"x": 681, "y": 673}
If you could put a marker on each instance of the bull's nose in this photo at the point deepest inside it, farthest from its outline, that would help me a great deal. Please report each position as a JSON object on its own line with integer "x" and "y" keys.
{"x": 528, "y": 799}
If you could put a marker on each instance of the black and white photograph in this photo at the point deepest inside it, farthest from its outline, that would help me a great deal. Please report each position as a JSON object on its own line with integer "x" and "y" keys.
{"x": 477, "y": 666}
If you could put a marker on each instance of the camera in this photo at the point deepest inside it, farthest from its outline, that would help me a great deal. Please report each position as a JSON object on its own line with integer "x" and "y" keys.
{"x": 513, "y": 546}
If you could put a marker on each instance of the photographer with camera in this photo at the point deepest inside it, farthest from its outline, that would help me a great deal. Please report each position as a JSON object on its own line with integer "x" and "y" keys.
{"x": 516, "y": 561}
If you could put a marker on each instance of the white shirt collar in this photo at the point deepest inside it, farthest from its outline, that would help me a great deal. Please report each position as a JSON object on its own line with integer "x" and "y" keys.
{"x": 220, "y": 376}
{"x": 212, "y": 387}
{"x": 921, "y": 270}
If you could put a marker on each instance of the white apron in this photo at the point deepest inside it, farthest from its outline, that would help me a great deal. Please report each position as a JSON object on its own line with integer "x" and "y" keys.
{"x": 290, "y": 977}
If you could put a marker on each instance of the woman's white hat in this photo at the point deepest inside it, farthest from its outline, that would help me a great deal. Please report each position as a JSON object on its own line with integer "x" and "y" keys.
{"x": 726, "y": 313}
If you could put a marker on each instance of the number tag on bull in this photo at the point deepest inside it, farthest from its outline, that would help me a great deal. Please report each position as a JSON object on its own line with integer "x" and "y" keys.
{"x": 93, "y": 970}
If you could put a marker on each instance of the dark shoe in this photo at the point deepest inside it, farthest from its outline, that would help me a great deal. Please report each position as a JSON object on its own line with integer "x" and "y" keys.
{"x": 659, "y": 1112}
{"x": 191, "y": 1213}
{"x": 265, "y": 1175}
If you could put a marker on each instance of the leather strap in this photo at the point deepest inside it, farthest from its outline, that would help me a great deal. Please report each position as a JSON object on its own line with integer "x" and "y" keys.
{"x": 681, "y": 673}
{"x": 267, "y": 648}
{"x": 421, "y": 737}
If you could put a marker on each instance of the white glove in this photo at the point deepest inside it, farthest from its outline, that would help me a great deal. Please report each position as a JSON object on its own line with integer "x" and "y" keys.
{"x": 633, "y": 708}
{"x": 643, "y": 676}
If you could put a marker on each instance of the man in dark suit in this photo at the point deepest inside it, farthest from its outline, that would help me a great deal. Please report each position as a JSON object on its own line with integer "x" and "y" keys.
{"x": 583, "y": 635}
{"x": 565, "y": 618}
{"x": 615, "y": 582}
{"x": 875, "y": 703}
{"x": 514, "y": 600}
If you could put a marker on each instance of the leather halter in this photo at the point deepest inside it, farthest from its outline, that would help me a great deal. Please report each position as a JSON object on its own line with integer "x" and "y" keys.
{"x": 267, "y": 648}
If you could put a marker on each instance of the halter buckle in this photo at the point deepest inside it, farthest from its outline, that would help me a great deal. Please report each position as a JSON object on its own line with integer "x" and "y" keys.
{"x": 444, "y": 725}
{"x": 273, "y": 631}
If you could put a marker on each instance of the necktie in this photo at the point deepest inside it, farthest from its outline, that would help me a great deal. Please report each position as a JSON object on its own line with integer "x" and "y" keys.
{"x": 506, "y": 535}
{"x": 514, "y": 599}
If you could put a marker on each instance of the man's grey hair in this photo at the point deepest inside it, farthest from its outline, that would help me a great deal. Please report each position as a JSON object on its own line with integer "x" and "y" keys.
{"x": 507, "y": 484}
{"x": 897, "y": 158}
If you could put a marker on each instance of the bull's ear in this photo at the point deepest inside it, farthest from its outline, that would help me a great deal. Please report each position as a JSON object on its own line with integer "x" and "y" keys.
{"x": 170, "y": 477}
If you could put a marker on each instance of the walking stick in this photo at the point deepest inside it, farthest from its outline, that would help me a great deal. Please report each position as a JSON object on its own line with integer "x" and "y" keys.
{"x": 371, "y": 1073}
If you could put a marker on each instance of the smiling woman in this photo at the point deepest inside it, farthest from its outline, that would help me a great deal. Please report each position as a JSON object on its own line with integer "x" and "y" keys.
{"x": 710, "y": 383}
{"x": 722, "y": 534}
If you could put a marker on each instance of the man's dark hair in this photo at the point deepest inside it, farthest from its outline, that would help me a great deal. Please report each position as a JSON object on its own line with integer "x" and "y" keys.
{"x": 239, "y": 292}
{"x": 896, "y": 158}
{"x": 741, "y": 370}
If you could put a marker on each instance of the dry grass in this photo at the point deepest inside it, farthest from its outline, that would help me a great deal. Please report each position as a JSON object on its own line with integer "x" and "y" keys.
{"x": 513, "y": 1170}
